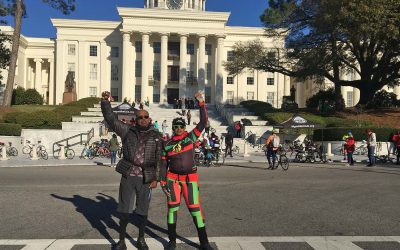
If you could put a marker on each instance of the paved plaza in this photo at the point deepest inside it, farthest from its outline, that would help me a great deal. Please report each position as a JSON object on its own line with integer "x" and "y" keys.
{"x": 245, "y": 205}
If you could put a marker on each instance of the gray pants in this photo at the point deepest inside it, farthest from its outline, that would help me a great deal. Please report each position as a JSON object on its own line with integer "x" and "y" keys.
{"x": 130, "y": 188}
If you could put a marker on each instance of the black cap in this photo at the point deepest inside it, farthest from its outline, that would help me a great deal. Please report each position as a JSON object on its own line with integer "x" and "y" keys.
{"x": 178, "y": 121}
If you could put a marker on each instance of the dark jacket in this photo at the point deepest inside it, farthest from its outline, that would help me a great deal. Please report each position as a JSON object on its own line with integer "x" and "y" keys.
{"x": 129, "y": 136}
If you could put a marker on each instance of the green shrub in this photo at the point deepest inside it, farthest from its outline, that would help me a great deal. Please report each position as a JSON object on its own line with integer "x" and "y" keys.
{"x": 383, "y": 99}
{"x": 336, "y": 134}
{"x": 31, "y": 96}
{"x": 10, "y": 129}
{"x": 328, "y": 95}
{"x": 18, "y": 96}
{"x": 258, "y": 107}
{"x": 12, "y": 117}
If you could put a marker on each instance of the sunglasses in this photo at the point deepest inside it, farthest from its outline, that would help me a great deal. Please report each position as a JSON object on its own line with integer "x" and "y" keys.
{"x": 178, "y": 126}
{"x": 142, "y": 117}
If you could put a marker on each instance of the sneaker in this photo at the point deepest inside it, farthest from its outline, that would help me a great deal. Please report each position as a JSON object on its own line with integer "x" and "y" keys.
{"x": 206, "y": 246}
{"x": 141, "y": 244}
{"x": 120, "y": 246}
{"x": 171, "y": 245}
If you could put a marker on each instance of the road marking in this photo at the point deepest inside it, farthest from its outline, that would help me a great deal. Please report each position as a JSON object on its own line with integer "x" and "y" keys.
{"x": 231, "y": 243}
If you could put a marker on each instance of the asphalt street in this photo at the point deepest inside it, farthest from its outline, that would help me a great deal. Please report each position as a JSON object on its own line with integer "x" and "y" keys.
{"x": 242, "y": 200}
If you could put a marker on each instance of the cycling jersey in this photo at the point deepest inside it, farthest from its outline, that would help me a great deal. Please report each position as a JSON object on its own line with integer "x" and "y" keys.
{"x": 178, "y": 153}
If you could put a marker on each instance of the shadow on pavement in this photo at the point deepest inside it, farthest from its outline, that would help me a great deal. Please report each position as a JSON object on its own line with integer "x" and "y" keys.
{"x": 99, "y": 213}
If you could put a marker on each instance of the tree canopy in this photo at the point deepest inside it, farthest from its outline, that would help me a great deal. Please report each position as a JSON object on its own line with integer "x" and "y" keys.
{"x": 18, "y": 9}
{"x": 325, "y": 38}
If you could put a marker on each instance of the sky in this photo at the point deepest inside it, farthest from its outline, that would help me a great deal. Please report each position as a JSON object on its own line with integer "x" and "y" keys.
{"x": 38, "y": 24}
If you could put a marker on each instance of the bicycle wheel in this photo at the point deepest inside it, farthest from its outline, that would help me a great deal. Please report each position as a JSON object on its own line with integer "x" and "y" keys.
{"x": 26, "y": 149}
{"x": 41, "y": 148}
{"x": 13, "y": 151}
{"x": 235, "y": 150}
{"x": 44, "y": 155}
{"x": 70, "y": 154}
{"x": 284, "y": 162}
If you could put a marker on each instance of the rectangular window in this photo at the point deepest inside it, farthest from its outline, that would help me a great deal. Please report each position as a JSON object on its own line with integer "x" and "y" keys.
{"x": 270, "y": 78}
{"x": 190, "y": 70}
{"x": 92, "y": 91}
{"x": 114, "y": 72}
{"x": 156, "y": 70}
{"x": 138, "y": 92}
{"x": 250, "y": 80}
{"x": 208, "y": 49}
{"x": 93, "y": 71}
{"x": 93, "y": 50}
{"x": 138, "y": 68}
{"x": 156, "y": 94}
{"x": 155, "y": 3}
{"x": 230, "y": 56}
{"x": 270, "y": 98}
{"x": 250, "y": 95}
{"x": 71, "y": 49}
{"x": 157, "y": 47}
{"x": 229, "y": 80}
{"x": 114, "y": 51}
{"x": 114, "y": 94}
{"x": 208, "y": 71}
{"x": 349, "y": 99}
{"x": 138, "y": 46}
{"x": 229, "y": 97}
{"x": 190, "y": 49}
{"x": 71, "y": 67}
{"x": 208, "y": 94}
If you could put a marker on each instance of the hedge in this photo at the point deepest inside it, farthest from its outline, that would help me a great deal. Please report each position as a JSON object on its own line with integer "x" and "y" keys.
{"x": 50, "y": 119}
{"x": 10, "y": 129}
{"x": 336, "y": 134}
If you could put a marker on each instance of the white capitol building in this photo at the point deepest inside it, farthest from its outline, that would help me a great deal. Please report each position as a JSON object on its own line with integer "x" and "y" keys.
{"x": 166, "y": 50}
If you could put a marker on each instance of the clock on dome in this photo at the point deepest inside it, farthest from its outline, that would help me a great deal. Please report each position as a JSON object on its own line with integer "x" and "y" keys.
{"x": 174, "y": 4}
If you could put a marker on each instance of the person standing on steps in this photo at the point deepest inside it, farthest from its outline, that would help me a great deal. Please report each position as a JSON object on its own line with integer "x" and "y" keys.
{"x": 139, "y": 167}
{"x": 114, "y": 146}
{"x": 179, "y": 176}
{"x": 189, "y": 117}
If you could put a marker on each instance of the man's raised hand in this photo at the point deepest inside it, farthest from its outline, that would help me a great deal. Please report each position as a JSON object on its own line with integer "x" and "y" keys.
{"x": 199, "y": 96}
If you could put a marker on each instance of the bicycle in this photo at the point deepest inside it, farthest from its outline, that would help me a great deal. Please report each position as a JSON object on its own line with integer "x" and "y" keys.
{"x": 362, "y": 149}
{"x": 10, "y": 150}
{"x": 27, "y": 149}
{"x": 88, "y": 152}
{"x": 283, "y": 161}
{"x": 68, "y": 153}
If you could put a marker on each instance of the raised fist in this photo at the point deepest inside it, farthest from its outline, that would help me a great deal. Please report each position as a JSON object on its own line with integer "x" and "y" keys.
{"x": 105, "y": 95}
{"x": 199, "y": 97}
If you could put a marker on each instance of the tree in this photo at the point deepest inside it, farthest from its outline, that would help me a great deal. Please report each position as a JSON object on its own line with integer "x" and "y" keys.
{"x": 17, "y": 9}
{"x": 4, "y": 39}
{"x": 325, "y": 38}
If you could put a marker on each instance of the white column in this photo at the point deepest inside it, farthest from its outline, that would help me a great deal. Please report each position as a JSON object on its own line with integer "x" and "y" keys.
{"x": 105, "y": 77}
{"x": 204, "y": 5}
{"x": 164, "y": 68}
{"x": 396, "y": 90}
{"x": 356, "y": 96}
{"x": 82, "y": 87}
{"x": 128, "y": 90}
{"x": 38, "y": 74}
{"x": 51, "y": 82}
{"x": 286, "y": 80}
{"x": 145, "y": 66}
{"x": 219, "y": 88}
{"x": 201, "y": 66}
{"x": 182, "y": 66}
{"x": 299, "y": 94}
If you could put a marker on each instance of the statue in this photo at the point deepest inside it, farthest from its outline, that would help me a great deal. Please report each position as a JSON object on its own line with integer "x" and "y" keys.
{"x": 293, "y": 93}
{"x": 70, "y": 89}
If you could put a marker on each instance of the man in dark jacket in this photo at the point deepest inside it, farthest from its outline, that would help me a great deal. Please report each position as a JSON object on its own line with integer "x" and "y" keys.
{"x": 228, "y": 144}
{"x": 140, "y": 168}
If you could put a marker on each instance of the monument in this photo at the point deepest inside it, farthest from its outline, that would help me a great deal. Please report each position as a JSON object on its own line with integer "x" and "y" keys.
{"x": 70, "y": 89}
{"x": 289, "y": 102}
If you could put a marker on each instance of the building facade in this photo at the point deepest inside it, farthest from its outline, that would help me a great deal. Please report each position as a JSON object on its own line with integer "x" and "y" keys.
{"x": 167, "y": 50}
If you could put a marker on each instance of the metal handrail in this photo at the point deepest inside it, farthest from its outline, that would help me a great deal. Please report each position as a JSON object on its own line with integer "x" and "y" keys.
{"x": 57, "y": 145}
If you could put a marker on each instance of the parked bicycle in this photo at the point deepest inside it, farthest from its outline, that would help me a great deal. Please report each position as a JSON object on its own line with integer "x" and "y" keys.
{"x": 27, "y": 149}
{"x": 87, "y": 152}
{"x": 69, "y": 153}
{"x": 10, "y": 150}
{"x": 283, "y": 161}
